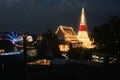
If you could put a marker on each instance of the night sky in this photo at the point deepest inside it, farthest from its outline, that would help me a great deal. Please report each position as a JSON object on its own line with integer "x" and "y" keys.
{"x": 37, "y": 16}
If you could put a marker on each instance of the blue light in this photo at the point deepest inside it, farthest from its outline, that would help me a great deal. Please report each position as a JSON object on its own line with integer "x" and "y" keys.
{"x": 13, "y": 36}
{"x": 10, "y": 53}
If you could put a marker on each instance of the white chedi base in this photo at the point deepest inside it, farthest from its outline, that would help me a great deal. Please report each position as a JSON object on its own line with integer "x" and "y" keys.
{"x": 83, "y": 37}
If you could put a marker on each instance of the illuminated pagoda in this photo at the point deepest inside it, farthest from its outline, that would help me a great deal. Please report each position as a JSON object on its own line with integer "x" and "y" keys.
{"x": 83, "y": 32}
{"x": 67, "y": 36}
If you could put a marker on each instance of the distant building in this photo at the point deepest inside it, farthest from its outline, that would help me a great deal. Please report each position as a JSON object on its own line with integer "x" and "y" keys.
{"x": 66, "y": 37}
{"x": 83, "y": 32}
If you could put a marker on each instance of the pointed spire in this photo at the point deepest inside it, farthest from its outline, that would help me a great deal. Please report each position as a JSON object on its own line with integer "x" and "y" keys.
{"x": 82, "y": 35}
{"x": 82, "y": 23}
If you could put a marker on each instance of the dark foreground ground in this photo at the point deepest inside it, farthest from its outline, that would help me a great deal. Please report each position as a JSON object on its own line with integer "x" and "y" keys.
{"x": 68, "y": 71}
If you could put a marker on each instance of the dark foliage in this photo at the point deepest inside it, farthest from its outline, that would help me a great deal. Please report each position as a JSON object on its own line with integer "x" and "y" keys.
{"x": 107, "y": 37}
{"x": 49, "y": 44}
{"x": 79, "y": 53}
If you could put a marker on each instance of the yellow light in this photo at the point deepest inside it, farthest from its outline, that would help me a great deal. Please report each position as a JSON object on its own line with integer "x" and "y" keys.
{"x": 2, "y": 50}
{"x": 64, "y": 47}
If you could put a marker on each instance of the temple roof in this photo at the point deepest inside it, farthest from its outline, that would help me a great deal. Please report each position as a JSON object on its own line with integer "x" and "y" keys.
{"x": 66, "y": 33}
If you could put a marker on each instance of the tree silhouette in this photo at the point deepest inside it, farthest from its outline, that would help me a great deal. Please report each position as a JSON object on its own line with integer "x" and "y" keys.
{"x": 107, "y": 36}
{"x": 79, "y": 53}
{"x": 49, "y": 45}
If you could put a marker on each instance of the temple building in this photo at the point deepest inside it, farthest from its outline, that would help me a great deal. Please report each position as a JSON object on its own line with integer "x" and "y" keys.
{"x": 66, "y": 37}
{"x": 82, "y": 35}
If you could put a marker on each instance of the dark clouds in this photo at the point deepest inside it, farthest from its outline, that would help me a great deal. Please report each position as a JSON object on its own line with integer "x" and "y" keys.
{"x": 36, "y": 16}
